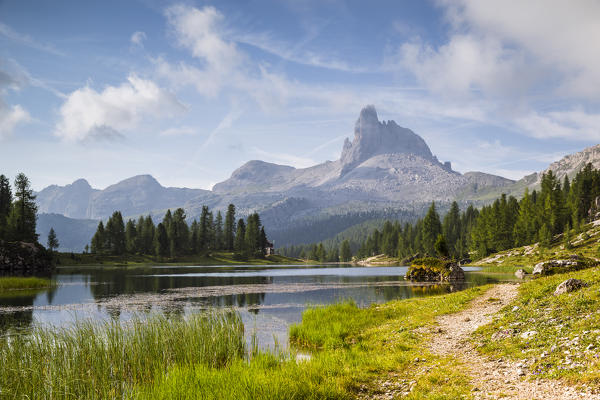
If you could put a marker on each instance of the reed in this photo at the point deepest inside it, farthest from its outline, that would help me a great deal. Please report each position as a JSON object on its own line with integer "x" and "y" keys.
{"x": 107, "y": 359}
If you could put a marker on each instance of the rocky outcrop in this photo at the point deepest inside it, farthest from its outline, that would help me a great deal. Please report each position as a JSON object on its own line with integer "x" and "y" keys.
{"x": 574, "y": 263}
{"x": 570, "y": 285}
{"x": 23, "y": 258}
{"x": 372, "y": 138}
{"x": 434, "y": 270}
{"x": 521, "y": 273}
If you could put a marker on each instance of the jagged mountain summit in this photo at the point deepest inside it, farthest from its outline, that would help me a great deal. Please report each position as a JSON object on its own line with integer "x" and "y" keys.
{"x": 385, "y": 167}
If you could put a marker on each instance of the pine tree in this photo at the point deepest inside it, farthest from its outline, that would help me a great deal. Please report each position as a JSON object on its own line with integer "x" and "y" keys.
{"x": 161, "y": 244}
{"x": 131, "y": 237}
{"x": 432, "y": 227}
{"x": 5, "y": 204}
{"x": 240, "y": 235}
{"x": 441, "y": 248}
{"x": 52, "y": 243}
{"x": 452, "y": 229}
{"x": 346, "y": 252}
{"x": 99, "y": 240}
{"x": 229, "y": 229}
{"x": 218, "y": 230}
{"x": 22, "y": 218}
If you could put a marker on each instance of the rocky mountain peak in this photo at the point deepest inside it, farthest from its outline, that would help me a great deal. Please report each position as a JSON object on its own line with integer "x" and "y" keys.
{"x": 372, "y": 137}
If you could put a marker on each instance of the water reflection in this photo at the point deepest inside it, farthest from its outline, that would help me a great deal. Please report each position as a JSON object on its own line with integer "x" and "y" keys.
{"x": 268, "y": 298}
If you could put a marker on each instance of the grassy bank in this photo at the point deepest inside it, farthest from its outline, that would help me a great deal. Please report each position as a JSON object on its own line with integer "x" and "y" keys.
{"x": 353, "y": 352}
{"x": 22, "y": 283}
{"x": 584, "y": 244}
{"x": 553, "y": 336}
{"x": 106, "y": 360}
{"x": 220, "y": 258}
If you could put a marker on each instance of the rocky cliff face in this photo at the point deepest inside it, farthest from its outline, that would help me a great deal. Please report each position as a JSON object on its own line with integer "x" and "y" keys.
{"x": 372, "y": 138}
{"x": 573, "y": 163}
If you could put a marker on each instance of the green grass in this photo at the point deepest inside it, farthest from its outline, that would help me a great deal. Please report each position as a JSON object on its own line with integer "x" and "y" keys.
{"x": 107, "y": 359}
{"x": 353, "y": 351}
{"x": 569, "y": 322}
{"x": 22, "y": 283}
{"x": 217, "y": 258}
{"x": 586, "y": 244}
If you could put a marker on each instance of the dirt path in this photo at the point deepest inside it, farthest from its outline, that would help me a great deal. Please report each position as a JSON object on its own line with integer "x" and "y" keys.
{"x": 493, "y": 378}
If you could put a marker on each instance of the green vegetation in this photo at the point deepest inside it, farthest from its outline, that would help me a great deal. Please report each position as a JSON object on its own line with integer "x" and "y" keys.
{"x": 18, "y": 215}
{"x": 174, "y": 239}
{"x": 557, "y": 336}
{"x": 538, "y": 217}
{"x": 21, "y": 283}
{"x": 353, "y": 351}
{"x": 106, "y": 360}
{"x": 212, "y": 258}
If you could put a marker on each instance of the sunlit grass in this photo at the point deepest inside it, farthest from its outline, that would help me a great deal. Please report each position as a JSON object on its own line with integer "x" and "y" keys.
{"x": 107, "y": 359}
{"x": 20, "y": 283}
{"x": 566, "y": 329}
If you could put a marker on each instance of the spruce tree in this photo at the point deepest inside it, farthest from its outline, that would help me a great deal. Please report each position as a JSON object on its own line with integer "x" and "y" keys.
{"x": 346, "y": 252}
{"x": 5, "y": 204}
{"x": 22, "y": 218}
{"x": 432, "y": 227}
{"x": 161, "y": 244}
{"x": 99, "y": 240}
{"x": 52, "y": 243}
{"x": 229, "y": 228}
{"x": 240, "y": 235}
{"x": 218, "y": 232}
{"x": 131, "y": 237}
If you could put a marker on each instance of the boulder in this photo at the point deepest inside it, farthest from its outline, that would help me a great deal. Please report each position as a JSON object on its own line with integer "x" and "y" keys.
{"x": 22, "y": 257}
{"x": 574, "y": 263}
{"x": 464, "y": 261}
{"x": 570, "y": 285}
{"x": 521, "y": 273}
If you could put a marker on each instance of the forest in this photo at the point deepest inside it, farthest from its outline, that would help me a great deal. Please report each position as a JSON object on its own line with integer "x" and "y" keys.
{"x": 173, "y": 237}
{"x": 557, "y": 207}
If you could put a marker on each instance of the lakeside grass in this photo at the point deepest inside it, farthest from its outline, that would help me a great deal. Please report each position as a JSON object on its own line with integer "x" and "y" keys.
{"x": 353, "y": 352}
{"x": 24, "y": 283}
{"x": 566, "y": 333}
{"x": 93, "y": 360}
{"x": 217, "y": 258}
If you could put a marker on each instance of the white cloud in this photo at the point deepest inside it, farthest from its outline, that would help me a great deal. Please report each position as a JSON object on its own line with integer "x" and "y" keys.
{"x": 137, "y": 38}
{"x": 510, "y": 49}
{"x": 283, "y": 158}
{"x": 574, "y": 124}
{"x": 90, "y": 114}
{"x": 10, "y": 117}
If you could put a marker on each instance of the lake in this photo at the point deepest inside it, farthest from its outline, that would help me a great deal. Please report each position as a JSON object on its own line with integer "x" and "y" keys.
{"x": 269, "y": 298}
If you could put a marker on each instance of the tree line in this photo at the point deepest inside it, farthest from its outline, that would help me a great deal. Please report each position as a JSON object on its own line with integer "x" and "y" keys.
{"x": 557, "y": 207}
{"x": 18, "y": 212}
{"x": 173, "y": 237}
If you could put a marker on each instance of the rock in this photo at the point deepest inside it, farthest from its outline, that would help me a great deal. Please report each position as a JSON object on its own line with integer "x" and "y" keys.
{"x": 434, "y": 270}
{"x": 520, "y": 372}
{"x": 23, "y": 258}
{"x": 521, "y": 273}
{"x": 464, "y": 261}
{"x": 541, "y": 268}
{"x": 528, "y": 334}
{"x": 515, "y": 308}
{"x": 570, "y": 285}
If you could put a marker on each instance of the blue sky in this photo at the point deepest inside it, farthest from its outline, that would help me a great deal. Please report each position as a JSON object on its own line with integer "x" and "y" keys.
{"x": 189, "y": 91}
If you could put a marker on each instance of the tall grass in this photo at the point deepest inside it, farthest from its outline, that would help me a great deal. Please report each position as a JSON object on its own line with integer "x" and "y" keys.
{"x": 107, "y": 359}
{"x": 9, "y": 283}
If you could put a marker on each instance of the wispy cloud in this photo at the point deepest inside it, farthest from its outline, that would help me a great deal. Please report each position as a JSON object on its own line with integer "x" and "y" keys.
{"x": 28, "y": 41}
{"x": 283, "y": 158}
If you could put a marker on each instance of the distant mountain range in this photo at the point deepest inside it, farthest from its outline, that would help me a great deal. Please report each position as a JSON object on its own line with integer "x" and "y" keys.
{"x": 385, "y": 168}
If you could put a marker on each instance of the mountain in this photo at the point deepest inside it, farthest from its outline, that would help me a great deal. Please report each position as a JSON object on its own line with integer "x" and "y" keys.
{"x": 137, "y": 195}
{"x": 73, "y": 234}
{"x": 385, "y": 170}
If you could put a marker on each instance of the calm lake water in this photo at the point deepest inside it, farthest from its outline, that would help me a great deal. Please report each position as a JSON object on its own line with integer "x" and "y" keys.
{"x": 269, "y": 298}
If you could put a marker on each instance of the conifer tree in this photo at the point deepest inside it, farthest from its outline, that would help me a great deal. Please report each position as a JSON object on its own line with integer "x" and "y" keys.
{"x": 5, "y": 204}
{"x": 346, "y": 252}
{"x": 240, "y": 235}
{"x": 161, "y": 244}
{"x": 432, "y": 227}
{"x": 22, "y": 217}
{"x": 52, "y": 243}
{"x": 99, "y": 240}
{"x": 229, "y": 228}
{"x": 131, "y": 237}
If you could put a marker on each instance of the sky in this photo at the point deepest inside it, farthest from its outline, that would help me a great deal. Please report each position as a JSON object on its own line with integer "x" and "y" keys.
{"x": 188, "y": 91}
